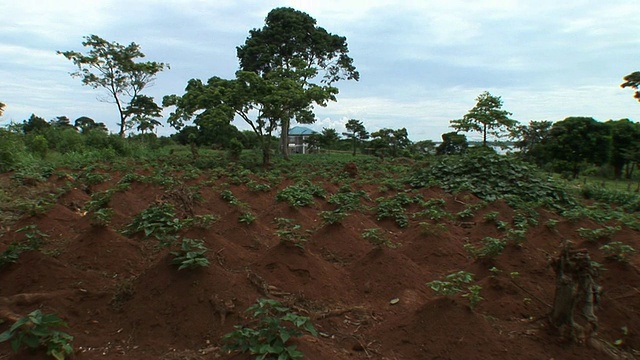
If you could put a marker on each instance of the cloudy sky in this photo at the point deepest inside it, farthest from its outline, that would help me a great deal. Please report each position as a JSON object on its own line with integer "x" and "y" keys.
{"x": 421, "y": 62}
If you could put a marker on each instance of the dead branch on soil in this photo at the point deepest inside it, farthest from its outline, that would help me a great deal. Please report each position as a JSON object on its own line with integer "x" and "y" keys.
{"x": 24, "y": 299}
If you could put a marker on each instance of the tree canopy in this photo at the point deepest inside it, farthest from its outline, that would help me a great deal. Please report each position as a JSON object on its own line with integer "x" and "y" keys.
{"x": 113, "y": 67}
{"x": 357, "y": 132}
{"x": 576, "y": 141}
{"x": 486, "y": 117}
{"x": 291, "y": 51}
{"x": 633, "y": 81}
{"x": 2, "y": 105}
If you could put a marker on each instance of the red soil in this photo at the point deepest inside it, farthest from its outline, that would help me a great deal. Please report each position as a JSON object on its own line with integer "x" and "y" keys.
{"x": 123, "y": 300}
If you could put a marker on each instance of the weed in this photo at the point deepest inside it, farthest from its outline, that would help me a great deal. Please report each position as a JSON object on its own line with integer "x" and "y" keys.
{"x": 473, "y": 295}
{"x": 159, "y": 221}
{"x": 333, "y": 217}
{"x": 228, "y": 196}
{"x": 124, "y": 291}
{"x": 394, "y": 208}
{"x": 247, "y": 218}
{"x": 593, "y": 235}
{"x": 267, "y": 339}
{"x": 289, "y": 232}
{"x": 191, "y": 255}
{"x": 258, "y": 187}
{"x": 551, "y": 223}
{"x": 454, "y": 283}
{"x": 491, "y": 216}
{"x": 618, "y": 251}
{"x": 300, "y": 195}
{"x": 491, "y": 248}
{"x": 376, "y": 237}
{"x": 101, "y": 217}
{"x": 201, "y": 221}
{"x": 427, "y": 228}
{"x": 38, "y": 330}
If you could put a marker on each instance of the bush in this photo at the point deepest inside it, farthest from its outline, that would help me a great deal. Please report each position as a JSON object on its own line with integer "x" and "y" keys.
{"x": 36, "y": 330}
{"x": 274, "y": 326}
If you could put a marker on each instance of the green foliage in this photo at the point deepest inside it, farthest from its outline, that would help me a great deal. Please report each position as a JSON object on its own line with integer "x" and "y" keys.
{"x": 427, "y": 228}
{"x": 38, "y": 330}
{"x": 348, "y": 200}
{"x": 38, "y": 145}
{"x": 112, "y": 66}
{"x": 486, "y": 117}
{"x": 158, "y": 220}
{"x": 300, "y": 195}
{"x": 454, "y": 283}
{"x": 228, "y": 196}
{"x": 377, "y": 237}
{"x": 626, "y": 200}
{"x": 274, "y": 325}
{"x": 191, "y": 255}
{"x": 433, "y": 209}
{"x": 33, "y": 240}
{"x": 575, "y": 142}
{"x": 551, "y": 223}
{"x": 333, "y": 216}
{"x": 491, "y": 216}
{"x": 594, "y": 235}
{"x": 201, "y": 221}
{"x": 247, "y": 218}
{"x": 491, "y": 248}
{"x": 618, "y": 251}
{"x": 473, "y": 295}
{"x": 491, "y": 177}
{"x": 394, "y": 208}
{"x": 452, "y": 144}
{"x": 290, "y": 232}
{"x": 256, "y": 187}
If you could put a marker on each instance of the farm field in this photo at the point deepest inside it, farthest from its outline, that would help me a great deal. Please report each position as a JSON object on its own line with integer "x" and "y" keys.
{"x": 357, "y": 246}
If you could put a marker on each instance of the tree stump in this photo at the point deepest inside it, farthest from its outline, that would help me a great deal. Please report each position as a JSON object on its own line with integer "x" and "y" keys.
{"x": 575, "y": 288}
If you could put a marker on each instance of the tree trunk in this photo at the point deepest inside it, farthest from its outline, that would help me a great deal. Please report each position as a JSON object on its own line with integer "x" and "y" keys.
{"x": 575, "y": 287}
{"x": 284, "y": 139}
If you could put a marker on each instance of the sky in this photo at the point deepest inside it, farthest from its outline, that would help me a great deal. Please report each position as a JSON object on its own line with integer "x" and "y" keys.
{"x": 422, "y": 63}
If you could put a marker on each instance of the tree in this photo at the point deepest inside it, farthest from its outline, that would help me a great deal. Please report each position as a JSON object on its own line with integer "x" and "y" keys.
{"x": 35, "y": 124}
{"x": 389, "y": 142}
{"x": 625, "y": 143}
{"x": 2, "y": 105}
{"x": 529, "y": 138}
{"x": 576, "y": 141}
{"x": 452, "y": 143}
{"x": 487, "y": 117}
{"x": 291, "y": 51}
{"x": 357, "y": 133}
{"x": 329, "y": 137}
{"x": 85, "y": 124}
{"x": 221, "y": 100}
{"x": 633, "y": 81}
{"x": 113, "y": 66}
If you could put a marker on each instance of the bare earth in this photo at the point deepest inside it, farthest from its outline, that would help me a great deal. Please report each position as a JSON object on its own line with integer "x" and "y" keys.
{"x": 123, "y": 300}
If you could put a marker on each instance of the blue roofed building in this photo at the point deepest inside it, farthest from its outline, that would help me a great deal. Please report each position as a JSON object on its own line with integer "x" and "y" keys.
{"x": 297, "y": 137}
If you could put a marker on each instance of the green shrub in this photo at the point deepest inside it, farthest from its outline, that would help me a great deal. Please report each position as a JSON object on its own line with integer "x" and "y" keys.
{"x": 618, "y": 251}
{"x": 273, "y": 326}
{"x": 191, "y": 255}
{"x": 159, "y": 221}
{"x": 300, "y": 195}
{"x": 454, "y": 283}
{"x": 38, "y": 330}
{"x": 290, "y": 232}
{"x": 491, "y": 247}
{"x": 377, "y": 238}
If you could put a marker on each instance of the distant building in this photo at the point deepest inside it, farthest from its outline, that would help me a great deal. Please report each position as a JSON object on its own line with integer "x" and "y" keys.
{"x": 297, "y": 137}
